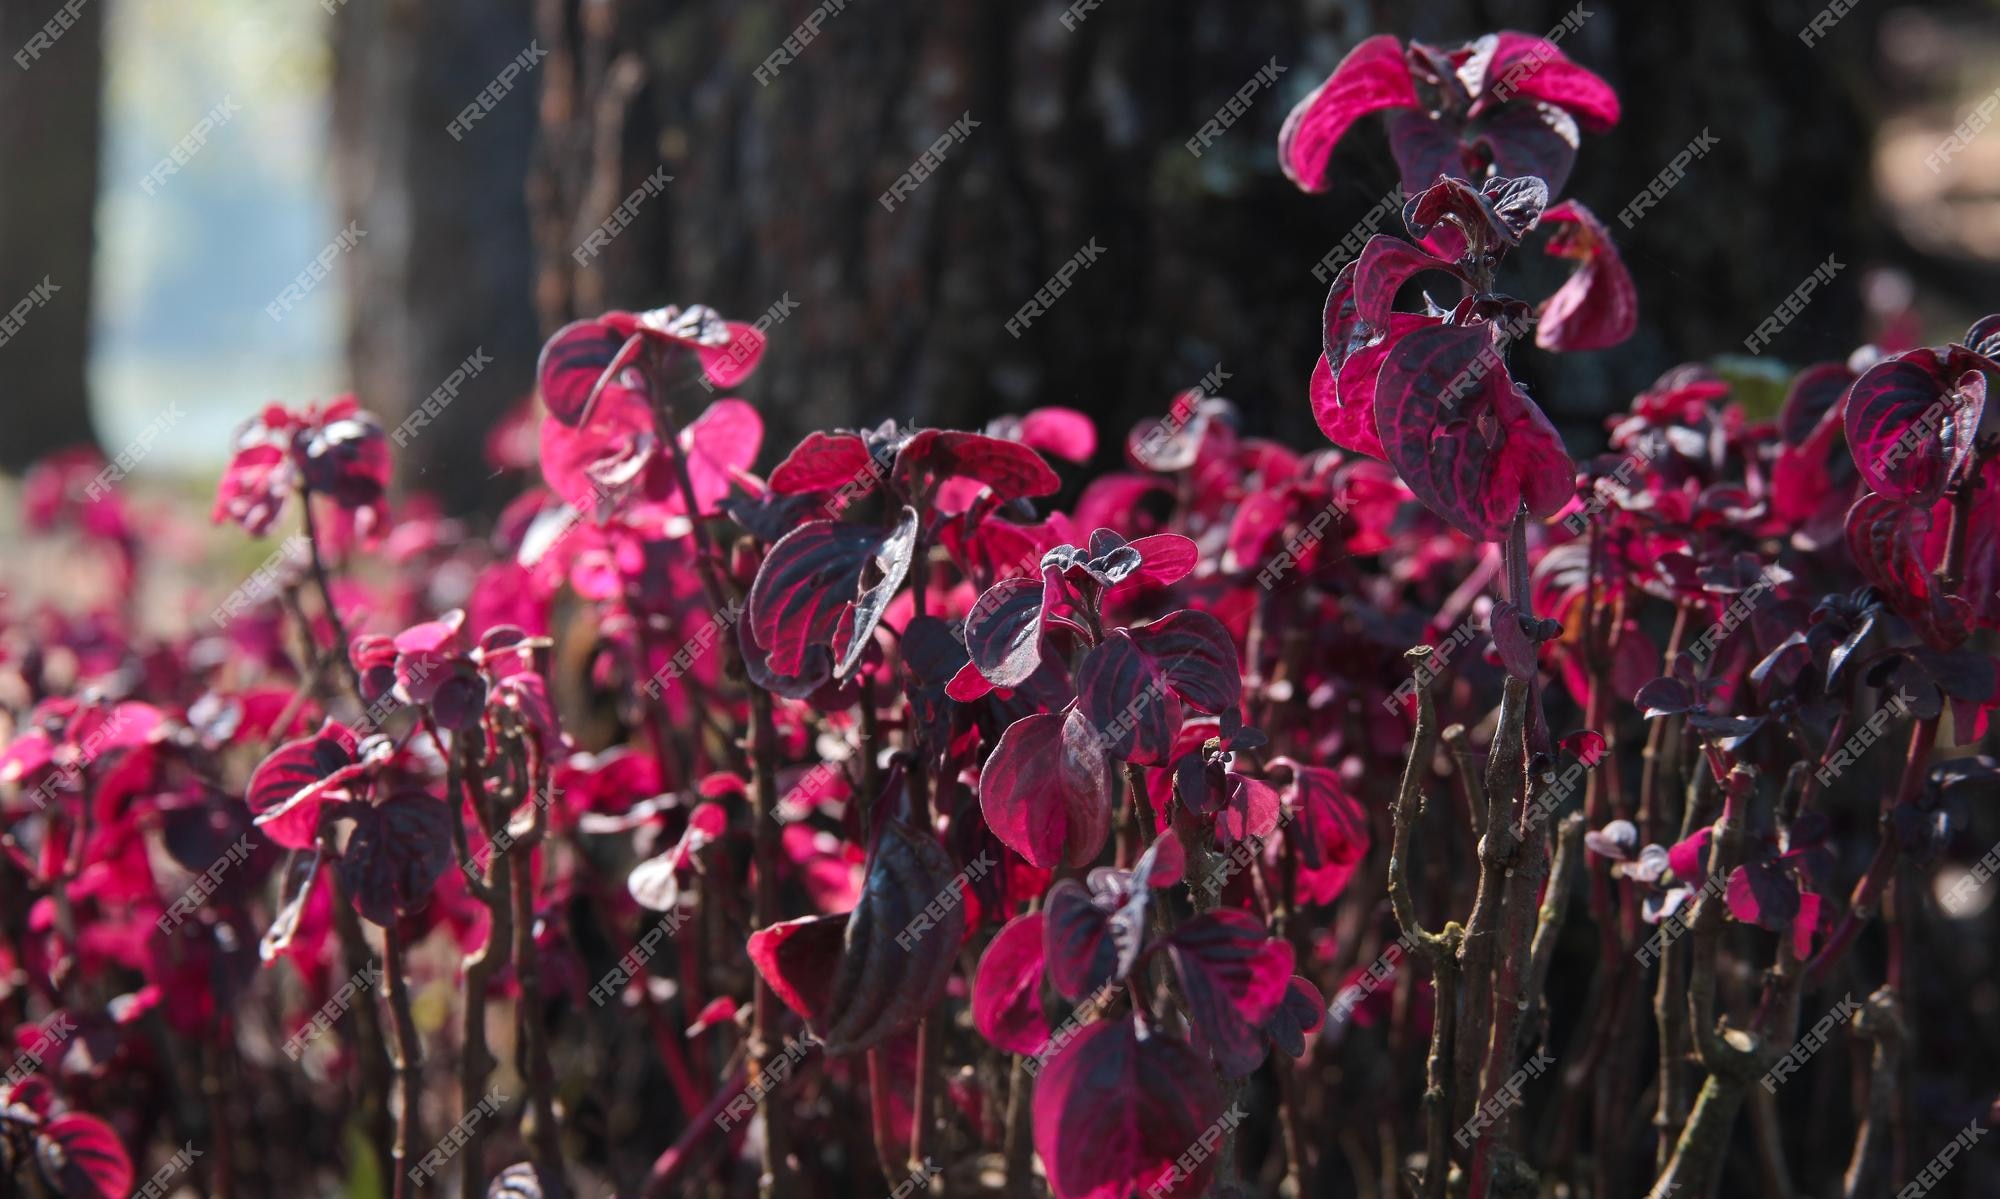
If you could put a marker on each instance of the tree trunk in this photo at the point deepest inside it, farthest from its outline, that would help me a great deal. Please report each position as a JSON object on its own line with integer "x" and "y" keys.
{"x": 780, "y": 160}
{"x": 50, "y": 120}
{"x": 441, "y": 272}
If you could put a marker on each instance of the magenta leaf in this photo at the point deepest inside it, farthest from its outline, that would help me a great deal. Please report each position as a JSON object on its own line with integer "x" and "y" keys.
{"x": 580, "y": 362}
{"x": 1372, "y": 77}
{"x": 1195, "y": 656}
{"x": 719, "y": 444}
{"x": 1911, "y": 422}
{"x": 1354, "y": 387}
{"x": 1115, "y": 1112}
{"x": 1165, "y": 558}
{"x": 1464, "y": 437}
{"x": 287, "y": 789}
{"x": 1234, "y": 976}
{"x": 1045, "y": 791}
{"x": 1598, "y": 306}
{"x": 1688, "y": 859}
{"x": 1329, "y": 825}
{"x": 1522, "y": 65}
{"x": 82, "y": 1158}
{"x": 733, "y": 359}
{"x": 826, "y": 462}
{"x": 1129, "y": 711}
{"x": 1011, "y": 469}
{"x": 1805, "y": 924}
{"x": 1007, "y": 990}
{"x": 1763, "y": 895}
{"x": 1350, "y": 428}
{"x": 1063, "y": 432}
{"x": 399, "y": 847}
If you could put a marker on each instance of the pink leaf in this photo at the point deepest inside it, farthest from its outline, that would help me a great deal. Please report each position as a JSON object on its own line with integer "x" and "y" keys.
{"x": 1372, "y": 77}
{"x": 1598, "y": 306}
{"x": 1006, "y": 991}
{"x": 1522, "y": 65}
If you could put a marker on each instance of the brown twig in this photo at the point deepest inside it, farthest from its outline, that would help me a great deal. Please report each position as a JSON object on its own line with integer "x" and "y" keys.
{"x": 495, "y": 891}
{"x": 408, "y": 1058}
{"x": 1440, "y": 949}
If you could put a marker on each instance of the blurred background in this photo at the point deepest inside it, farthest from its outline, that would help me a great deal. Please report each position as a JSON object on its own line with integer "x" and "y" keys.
{"x": 239, "y": 201}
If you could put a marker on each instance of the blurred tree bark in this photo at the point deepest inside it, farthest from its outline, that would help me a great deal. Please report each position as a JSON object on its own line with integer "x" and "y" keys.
{"x": 441, "y": 274}
{"x": 50, "y": 128}
{"x": 1080, "y": 136}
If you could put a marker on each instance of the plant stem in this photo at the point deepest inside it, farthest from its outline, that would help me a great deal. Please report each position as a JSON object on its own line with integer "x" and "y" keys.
{"x": 476, "y": 1061}
{"x": 370, "y": 1048}
{"x": 1441, "y": 949}
{"x": 546, "y": 1139}
{"x": 762, "y": 750}
{"x": 408, "y": 1060}
{"x": 325, "y": 589}
{"x": 1506, "y": 778}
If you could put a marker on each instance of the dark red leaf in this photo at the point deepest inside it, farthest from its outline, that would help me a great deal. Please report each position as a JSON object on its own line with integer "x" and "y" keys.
{"x": 1045, "y": 791}
{"x": 1763, "y": 895}
{"x": 1078, "y": 947}
{"x": 1386, "y": 263}
{"x": 901, "y": 942}
{"x": 1129, "y": 710}
{"x": 399, "y": 847}
{"x": 812, "y": 578}
{"x": 1911, "y": 422}
{"x": 582, "y": 360}
{"x": 1887, "y": 538}
{"x": 1011, "y": 469}
{"x": 1298, "y": 1016}
{"x": 1250, "y": 814}
{"x": 799, "y": 958}
{"x": 1003, "y": 631}
{"x": 1234, "y": 976}
{"x": 1195, "y": 656}
{"x": 1464, "y": 437}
